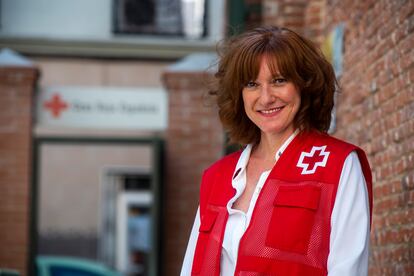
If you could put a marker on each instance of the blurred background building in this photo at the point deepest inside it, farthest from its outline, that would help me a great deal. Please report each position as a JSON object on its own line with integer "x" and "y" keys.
{"x": 106, "y": 124}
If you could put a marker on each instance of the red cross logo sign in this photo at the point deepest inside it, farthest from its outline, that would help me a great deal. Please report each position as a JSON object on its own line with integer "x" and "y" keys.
{"x": 56, "y": 105}
{"x": 310, "y": 161}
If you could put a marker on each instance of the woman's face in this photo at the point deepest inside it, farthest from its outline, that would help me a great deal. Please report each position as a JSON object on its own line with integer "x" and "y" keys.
{"x": 271, "y": 102}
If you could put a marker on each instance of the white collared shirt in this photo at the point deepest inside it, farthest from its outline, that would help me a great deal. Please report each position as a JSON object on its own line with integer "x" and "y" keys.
{"x": 349, "y": 239}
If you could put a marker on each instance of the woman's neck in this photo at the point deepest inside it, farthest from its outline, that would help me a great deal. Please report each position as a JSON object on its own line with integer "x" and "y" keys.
{"x": 269, "y": 144}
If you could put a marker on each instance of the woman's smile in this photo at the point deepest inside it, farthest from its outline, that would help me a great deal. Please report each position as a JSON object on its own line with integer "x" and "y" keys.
{"x": 271, "y": 111}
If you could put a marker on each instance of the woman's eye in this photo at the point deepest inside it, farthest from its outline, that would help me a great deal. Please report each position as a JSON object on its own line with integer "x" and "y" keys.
{"x": 251, "y": 84}
{"x": 279, "y": 80}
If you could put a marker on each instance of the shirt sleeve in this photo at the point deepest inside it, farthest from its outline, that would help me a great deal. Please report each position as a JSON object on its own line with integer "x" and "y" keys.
{"x": 349, "y": 240}
{"x": 189, "y": 254}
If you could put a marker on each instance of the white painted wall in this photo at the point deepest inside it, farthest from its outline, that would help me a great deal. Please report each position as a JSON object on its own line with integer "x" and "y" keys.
{"x": 74, "y": 19}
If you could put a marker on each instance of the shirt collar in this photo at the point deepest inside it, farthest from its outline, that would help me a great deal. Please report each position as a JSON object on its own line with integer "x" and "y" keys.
{"x": 243, "y": 160}
{"x": 245, "y": 155}
{"x": 285, "y": 144}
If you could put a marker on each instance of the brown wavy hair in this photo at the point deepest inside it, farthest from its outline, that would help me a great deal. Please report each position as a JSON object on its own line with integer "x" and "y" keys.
{"x": 296, "y": 58}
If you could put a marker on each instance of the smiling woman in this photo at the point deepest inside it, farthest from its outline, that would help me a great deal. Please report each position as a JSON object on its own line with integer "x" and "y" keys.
{"x": 294, "y": 201}
{"x": 287, "y": 54}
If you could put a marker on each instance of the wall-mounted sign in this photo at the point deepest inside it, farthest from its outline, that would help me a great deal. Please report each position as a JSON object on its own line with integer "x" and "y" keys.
{"x": 103, "y": 107}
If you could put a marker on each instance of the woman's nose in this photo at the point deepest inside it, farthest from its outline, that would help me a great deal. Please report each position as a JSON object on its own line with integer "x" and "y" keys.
{"x": 266, "y": 95}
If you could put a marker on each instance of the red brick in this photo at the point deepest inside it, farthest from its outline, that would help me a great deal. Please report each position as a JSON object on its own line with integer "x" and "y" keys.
{"x": 187, "y": 105}
{"x": 378, "y": 55}
{"x": 15, "y": 146}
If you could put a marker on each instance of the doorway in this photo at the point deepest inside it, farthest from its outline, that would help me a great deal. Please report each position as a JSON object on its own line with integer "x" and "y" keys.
{"x": 88, "y": 193}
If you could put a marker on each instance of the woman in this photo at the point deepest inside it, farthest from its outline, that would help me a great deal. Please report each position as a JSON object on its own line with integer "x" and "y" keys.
{"x": 294, "y": 201}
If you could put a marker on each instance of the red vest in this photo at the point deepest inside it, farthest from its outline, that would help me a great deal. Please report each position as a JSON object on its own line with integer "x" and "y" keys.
{"x": 290, "y": 229}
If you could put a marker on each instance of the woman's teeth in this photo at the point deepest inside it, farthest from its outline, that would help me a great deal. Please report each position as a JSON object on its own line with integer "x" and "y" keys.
{"x": 269, "y": 111}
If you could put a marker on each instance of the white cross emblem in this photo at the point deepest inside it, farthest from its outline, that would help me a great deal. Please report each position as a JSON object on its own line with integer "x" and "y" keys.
{"x": 310, "y": 166}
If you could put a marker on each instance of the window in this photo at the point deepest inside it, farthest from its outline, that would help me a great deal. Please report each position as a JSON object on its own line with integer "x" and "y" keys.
{"x": 161, "y": 17}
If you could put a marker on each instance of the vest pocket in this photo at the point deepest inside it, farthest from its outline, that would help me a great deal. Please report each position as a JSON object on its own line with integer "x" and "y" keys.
{"x": 292, "y": 219}
{"x": 207, "y": 223}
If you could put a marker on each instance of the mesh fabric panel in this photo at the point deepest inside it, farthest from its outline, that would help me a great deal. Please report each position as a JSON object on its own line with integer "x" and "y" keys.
{"x": 253, "y": 243}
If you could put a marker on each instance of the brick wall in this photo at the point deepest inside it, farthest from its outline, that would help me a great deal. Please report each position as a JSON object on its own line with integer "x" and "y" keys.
{"x": 315, "y": 20}
{"x": 194, "y": 141}
{"x": 286, "y": 13}
{"x": 304, "y": 17}
{"x": 376, "y": 111}
{"x": 16, "y": 100}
